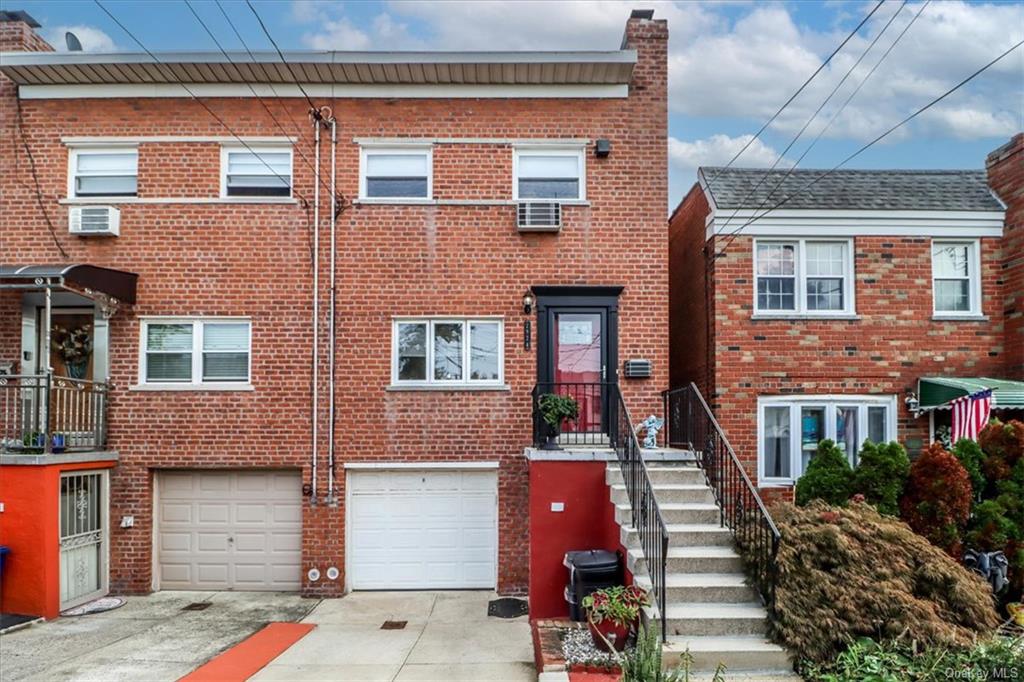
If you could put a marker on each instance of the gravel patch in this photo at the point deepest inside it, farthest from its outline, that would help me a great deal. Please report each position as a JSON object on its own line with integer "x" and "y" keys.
{"x": 578, "y": 648}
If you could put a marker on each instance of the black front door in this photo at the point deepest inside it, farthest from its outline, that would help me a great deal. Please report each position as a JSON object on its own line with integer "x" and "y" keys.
{"x": 577, "y": 351}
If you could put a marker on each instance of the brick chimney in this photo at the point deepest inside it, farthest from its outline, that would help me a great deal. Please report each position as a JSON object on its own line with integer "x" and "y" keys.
{"x": 1006, "y": 178}
{"x": 17, "y": 33}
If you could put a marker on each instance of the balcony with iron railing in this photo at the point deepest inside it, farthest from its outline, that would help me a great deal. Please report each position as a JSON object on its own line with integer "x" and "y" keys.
{"x": 44, "y": 414}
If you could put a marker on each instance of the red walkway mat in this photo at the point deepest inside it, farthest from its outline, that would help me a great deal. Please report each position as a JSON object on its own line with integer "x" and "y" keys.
{"x": 248, "y": 657}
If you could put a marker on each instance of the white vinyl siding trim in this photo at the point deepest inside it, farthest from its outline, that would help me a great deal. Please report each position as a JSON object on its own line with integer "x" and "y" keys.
{"x": 830, "y": 406}
{"x": 529, "y": 160}
{"x": 211, "y": 337}
{"x": 803, "y": 273}
{"x": 469, "y": 345}
{"x": 117, "y": 165}
{"x": 269, "y": 167}
{"x": 972, "y": 277}
{"x": 388, "y": 161}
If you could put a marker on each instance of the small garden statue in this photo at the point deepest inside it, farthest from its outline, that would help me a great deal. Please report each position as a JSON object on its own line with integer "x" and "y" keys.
{"x": 992, "y": 566}
{"x": 653, "y": 425}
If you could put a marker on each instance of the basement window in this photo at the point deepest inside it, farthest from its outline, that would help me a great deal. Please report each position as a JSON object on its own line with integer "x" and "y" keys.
{"x": 442, "y": 352}
{"x": 256, "y": 172}
{"x": 396, "y": 173}
{"x": 103, "y": 172}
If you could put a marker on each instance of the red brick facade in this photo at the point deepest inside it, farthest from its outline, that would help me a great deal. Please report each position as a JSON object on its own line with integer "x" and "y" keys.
{"x": 207, "y": 259}
{"x": 1006, "y": 177}
{"x": 891, "y": 342}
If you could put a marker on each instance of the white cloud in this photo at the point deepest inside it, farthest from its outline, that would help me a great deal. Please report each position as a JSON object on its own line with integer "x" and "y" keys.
{"x": 685, "y": 157}
{"x": 92, "y": 38}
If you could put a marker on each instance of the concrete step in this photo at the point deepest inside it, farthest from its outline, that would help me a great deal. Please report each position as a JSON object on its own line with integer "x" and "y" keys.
{"x": 704, "y": 588}
{"x": 746, "y": 657}
{"x": 684, "y": 535}
{"x": 713, "y": 559}
{"x": 674, "y": 512}
{"x": 666, "y": 472}
{"x": 698, "y": 619}
{"x": 667, "y": 493}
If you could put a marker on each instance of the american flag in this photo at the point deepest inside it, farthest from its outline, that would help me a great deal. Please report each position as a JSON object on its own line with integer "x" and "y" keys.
{"x": 970, "y": 414}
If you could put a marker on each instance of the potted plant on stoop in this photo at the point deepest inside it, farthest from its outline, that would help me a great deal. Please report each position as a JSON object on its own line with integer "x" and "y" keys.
{"x": 612, "y": 613}
{"x": 555, "y": 409}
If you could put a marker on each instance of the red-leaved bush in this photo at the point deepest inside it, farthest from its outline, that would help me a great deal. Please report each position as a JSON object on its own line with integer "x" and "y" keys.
{"x": 1003, "y": 445}
{"x": 937, "y": 499}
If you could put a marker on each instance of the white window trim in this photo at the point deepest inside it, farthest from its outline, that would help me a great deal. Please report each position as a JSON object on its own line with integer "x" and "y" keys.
{"x": 226, "y": 149}
{"x": 112, "y": 148}
{"x": 541, "y": 150}
{"x": 849, "y": 280}
{"x": 430, "y": 382}
{"x": 197, "y": 383}
{"x": 974, "y": 278}
{"x": 830, "y": 403}
{"x": 396, "y": 149}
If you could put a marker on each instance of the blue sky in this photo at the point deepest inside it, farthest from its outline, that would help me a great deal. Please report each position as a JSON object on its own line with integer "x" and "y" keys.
{"x": 731, "y": 65}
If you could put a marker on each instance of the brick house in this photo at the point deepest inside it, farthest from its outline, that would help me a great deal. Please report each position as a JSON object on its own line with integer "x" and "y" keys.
{"x": 498, "y": 222}
{"x": 867, "y": 295}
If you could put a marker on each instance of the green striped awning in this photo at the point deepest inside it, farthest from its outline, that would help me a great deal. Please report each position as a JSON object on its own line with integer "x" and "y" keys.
{"x": 936, "y": 392}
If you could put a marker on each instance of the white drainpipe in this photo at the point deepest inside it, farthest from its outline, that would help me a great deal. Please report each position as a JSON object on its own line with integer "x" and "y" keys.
{"x": 332, "y": 500}
{"x": 316, "y": 303}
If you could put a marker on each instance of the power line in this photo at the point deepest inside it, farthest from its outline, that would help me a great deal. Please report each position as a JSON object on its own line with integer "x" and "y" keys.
{"x": 281, "y": 55}
{"x": 280, "y": 127}
{"x": 801, "y": 88}
{"x": 833, "y": 118}
{"x": 813, "y": 116}
{"x": 35, "y": 178}
{"x": 864, "y": 148}
{"x": 199, "y": 101}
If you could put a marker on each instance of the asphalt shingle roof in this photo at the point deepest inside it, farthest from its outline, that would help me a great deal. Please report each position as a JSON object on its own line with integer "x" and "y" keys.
{"x": 871, "y": 190}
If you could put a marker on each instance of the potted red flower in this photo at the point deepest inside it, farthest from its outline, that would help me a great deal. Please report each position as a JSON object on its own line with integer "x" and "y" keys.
{"x": 612, "y": 612}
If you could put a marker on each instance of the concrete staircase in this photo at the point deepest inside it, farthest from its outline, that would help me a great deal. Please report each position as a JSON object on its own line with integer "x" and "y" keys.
{"x": 710, "y": 609}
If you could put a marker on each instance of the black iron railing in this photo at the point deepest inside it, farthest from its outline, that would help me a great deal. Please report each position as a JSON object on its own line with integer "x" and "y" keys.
{"x": 43, "y": 413}
{"x": 690, "y": 424}
{"x": 646, "y": 515}
{"x": 590, "y": 428}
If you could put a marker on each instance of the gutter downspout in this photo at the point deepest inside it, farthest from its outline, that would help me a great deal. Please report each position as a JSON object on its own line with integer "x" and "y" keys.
{"x": 332, "y": 500}
{"x": 316, "y": 304}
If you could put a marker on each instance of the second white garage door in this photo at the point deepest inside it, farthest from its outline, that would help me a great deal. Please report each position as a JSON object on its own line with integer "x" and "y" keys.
{"x": 219, "y": 530}
{"x": 422, "y": 529}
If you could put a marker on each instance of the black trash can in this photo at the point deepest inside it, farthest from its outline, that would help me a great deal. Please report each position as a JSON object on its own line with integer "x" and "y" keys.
{"x": 590, "y": 570}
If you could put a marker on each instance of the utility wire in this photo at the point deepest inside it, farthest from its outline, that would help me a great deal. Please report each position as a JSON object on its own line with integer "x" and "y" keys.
{"x": 801, "y": 88}
{"x": 281, "y": 55}
{"x": 200, "y": 102}
{"x": 813, "y": 116}
{"x": 833, "y": 118}
{"x": 280, "y": 127}
{"x": 35, "y": 179}
{"x": 864, "y": 148}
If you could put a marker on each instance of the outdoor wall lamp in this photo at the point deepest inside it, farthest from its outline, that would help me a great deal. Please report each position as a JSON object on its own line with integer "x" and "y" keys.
{"x": 527, "y": 303}
{"x": 911, "y": 401}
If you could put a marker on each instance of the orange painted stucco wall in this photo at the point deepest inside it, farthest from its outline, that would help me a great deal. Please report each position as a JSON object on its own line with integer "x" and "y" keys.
{"x": 29, "y": 526}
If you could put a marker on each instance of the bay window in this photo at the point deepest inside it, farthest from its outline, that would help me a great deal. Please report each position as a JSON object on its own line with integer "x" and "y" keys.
{"x": 447, "y": 352}
{"x": 803, "y": 277}
{"x": 790, "y": 428}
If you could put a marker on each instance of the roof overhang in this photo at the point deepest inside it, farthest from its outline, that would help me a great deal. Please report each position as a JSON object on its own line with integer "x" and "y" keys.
{"x": 117, "y": 286}
{"x": 935, "y": 393}
{"x": 321, "y": 67}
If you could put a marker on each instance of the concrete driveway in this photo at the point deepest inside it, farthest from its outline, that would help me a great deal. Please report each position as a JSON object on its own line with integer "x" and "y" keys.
{"x": 149, "y": 638}
{"x": 448, "y": 636}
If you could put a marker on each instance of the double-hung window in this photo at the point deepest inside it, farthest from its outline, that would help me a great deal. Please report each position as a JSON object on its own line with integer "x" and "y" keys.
{"x": 549, "y": 174}
{"x": 195, "y": 352}
{"x": 256, "y": 171}
{"x": 107, "y": 172}
{"x": 396, "y": 173}
{"x": 447, "y": 352}
{"x": 803, "y": 277}
{"x": 956, "y": 283}
{"x": 790, "y": 428}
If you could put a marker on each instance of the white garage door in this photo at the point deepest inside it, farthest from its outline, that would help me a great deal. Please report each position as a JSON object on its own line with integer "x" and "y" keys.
{"x": 422, "y": 529}
{"x": 221, "y": 530}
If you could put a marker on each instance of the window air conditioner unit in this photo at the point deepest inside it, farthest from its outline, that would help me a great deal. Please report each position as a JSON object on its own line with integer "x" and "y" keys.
{"x": 104, "y": 221}
{"x": 539, "y": 216}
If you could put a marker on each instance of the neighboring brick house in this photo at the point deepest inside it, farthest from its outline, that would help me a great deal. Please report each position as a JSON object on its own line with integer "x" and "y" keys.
{"x": 819, "y": 319}
{"x": 206, "y": 431}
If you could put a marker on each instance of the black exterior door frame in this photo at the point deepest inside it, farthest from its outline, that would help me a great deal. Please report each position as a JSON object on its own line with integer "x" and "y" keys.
{"x": 577, "y": 299}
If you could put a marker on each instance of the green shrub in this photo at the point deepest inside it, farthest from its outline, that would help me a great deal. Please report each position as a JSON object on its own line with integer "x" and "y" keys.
{"x": 997, "y": 524}
{"x": 881, "y": 475}
{"x": 937, "y": 499}
{"x": 969, "y": 453}
{"x": 828, "y": 477}
{"x": 846, "y": 573}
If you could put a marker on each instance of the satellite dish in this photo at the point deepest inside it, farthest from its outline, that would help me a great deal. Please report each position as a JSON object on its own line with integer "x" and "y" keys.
{"x": 74, "y": 44}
